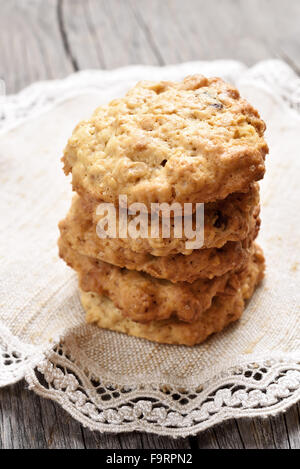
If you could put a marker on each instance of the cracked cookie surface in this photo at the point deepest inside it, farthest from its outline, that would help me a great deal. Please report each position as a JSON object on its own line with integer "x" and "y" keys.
{"x": 144, "y": 298}
{"x": 190, "y": 141}
{"x": 78, "y": 231}
{"x": 231, "y": 219}
{"x": 226, "y": 308}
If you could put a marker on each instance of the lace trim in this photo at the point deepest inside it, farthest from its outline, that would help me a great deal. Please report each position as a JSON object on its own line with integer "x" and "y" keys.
{"x": 263, "y": 388}
{"x": 16, "y": 358}
{"x": 278, "y": 77}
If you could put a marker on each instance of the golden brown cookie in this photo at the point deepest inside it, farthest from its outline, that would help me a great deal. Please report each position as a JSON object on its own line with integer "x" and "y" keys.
{"x": 226, "y": 308}
{"x": 192, "y": 141}
{"x": 142, "y": 297}
{"x": 79, "y": 232}
{"x": 232, "y": 219}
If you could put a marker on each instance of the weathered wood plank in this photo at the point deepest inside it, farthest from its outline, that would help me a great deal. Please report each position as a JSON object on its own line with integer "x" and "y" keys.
{"x": 228, "y": 436}
{"x": 280, "y": 433}
{"x": 18, "y": 420}
{"x": 51, "y": 38}
{"x": 105, "y": 34}
{"x": 135, "y": 441}
{"x": 132, "y": 441}
{"x": 31, "y": 45}
{"x": 205, "y": 440}
{"x": 259, "y": 431}
{"x": 60, "y": 429}
{"x": 235, "y": 29}
{"x": 27, "y": 421}
{"x": 292, "y": 419}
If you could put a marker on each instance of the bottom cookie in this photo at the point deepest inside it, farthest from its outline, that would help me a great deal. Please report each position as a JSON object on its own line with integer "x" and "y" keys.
{"x": 226, "y": 308}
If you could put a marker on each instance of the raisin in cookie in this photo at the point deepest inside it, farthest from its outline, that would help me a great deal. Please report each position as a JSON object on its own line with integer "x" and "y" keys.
{"x": 190, "y": 141}
{"x": 231, "y": 219}
{"x": 78, "y": 231}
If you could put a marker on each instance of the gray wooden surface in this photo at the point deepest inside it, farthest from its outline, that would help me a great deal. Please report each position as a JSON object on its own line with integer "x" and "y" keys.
{"x": 44, "y": 39}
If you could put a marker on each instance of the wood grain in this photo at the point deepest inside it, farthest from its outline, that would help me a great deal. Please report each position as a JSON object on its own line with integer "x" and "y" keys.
{"x": 28, "y": 421}
{"x": 45, "y": 39}
{"x": 31, "y": 46}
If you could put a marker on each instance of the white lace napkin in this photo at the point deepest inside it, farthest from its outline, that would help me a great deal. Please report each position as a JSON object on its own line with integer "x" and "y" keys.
{"x": 108, "y": 381}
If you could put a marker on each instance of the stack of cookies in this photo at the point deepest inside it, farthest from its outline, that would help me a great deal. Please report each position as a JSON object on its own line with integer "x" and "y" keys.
{"x": 180, "y": 145}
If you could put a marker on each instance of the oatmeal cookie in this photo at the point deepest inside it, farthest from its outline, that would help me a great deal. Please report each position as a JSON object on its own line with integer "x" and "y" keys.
{"x": 190, "y": 141}
{"x": 78, "y": 231}
{"x": 225, "y": 308}
{"x": 141, "y": 297}
{"x": 232, "y": 219}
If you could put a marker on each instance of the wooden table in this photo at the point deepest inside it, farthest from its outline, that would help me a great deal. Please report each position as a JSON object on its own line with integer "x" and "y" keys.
{"x": 44, "y": 39}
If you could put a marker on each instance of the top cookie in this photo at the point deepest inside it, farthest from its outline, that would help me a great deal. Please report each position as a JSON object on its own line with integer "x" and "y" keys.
{"x": 192, "y": 141}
